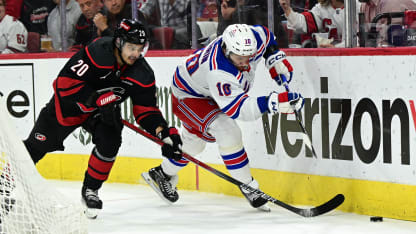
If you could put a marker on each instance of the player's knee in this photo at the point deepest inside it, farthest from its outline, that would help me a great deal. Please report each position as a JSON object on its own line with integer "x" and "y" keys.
{"x": 192, "y": 144}
{"x": 226, "y": 131}
{"x": 109, "y": 148}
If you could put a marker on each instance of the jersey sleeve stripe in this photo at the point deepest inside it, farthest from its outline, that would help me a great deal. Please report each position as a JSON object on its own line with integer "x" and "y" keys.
{"x": 140, "y": 110}
{"x": 239, "y": 76}
{"x": 268, "y": 34}
{"x": 66, "y": 121}
{"x": 138, "y": 83}
{"x": 181, "y": 84}
{"x": 213, "y": 62}
{"x": 70, "y": 92}
{"x": 233, "y": 109}
{"x": 93, "y": 62}
{"x": 67, "y": 82}
{"x": 312, "y": 27}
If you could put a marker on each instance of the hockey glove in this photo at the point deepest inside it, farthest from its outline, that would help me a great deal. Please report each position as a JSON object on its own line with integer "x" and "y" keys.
{"x": 173, "y": 144}
{"x": 279, "y": 68}
{"x": 285, "y": 103}
{"x": 109, "y": 110}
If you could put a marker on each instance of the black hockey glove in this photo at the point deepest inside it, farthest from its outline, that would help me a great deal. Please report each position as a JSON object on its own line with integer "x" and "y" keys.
{"x": 109, "y": 109}
{"x": 173, "y": 143}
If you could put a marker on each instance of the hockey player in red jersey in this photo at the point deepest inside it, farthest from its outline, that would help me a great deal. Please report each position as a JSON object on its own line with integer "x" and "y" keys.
{"x": 88, "y": 93}
{"x": 209, "y": 93}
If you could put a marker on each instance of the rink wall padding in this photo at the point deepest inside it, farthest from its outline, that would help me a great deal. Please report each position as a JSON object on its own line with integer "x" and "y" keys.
{"x": 359, "y": 109}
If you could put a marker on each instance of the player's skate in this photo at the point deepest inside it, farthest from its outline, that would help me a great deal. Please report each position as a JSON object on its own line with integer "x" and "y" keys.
{"x": 92, "y": 202}
{"x": 254, "y": 199}
{"x": 163, "y": 184}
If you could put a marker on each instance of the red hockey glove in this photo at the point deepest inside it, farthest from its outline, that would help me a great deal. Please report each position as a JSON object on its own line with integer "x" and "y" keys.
{"x": 284, "y": 103}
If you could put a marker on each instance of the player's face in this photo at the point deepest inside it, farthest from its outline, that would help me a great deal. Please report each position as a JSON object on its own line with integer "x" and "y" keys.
{"x": 89, "y": 7}
{"x": 241, "y": 62}
{"x": 114, "y": 6}
{"x": 2, "y": 9}
{"x": 131, "y": 52}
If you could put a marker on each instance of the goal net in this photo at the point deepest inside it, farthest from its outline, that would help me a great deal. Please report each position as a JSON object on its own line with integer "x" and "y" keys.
{"x": 28, "y": 204}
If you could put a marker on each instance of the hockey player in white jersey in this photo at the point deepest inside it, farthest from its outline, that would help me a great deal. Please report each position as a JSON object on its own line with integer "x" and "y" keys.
{"x": 209, "y": 92}
{"x": 327, "y": 16}
{"x": 13, "y": 34}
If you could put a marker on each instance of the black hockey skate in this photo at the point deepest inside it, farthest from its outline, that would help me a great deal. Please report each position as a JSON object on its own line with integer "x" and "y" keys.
{"x": 92, "y": 202}
{"x": 163, "y": 184}
{"x": 255, "y": 200}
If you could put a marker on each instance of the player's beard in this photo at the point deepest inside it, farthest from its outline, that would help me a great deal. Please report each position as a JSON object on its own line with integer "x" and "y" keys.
{"x": 243, "y": 68}
{"x": 131, "y": 60}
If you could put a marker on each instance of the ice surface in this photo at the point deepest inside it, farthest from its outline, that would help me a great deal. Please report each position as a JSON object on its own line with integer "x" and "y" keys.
{"x": 138, "y": 209}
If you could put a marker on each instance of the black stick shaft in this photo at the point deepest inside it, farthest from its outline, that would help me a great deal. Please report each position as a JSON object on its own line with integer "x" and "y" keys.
{"x": 315, "y": 211}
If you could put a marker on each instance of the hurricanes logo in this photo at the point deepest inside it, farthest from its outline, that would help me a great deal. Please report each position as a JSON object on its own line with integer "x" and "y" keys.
{"x": 40, "y": 137}
{"x": 125, "y": 26}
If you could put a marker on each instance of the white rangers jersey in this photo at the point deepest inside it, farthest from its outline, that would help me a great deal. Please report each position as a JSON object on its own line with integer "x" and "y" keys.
{"x": 13, "y": 35}
{"x": 320, "y": 19}
{"x": 207, "y": 73}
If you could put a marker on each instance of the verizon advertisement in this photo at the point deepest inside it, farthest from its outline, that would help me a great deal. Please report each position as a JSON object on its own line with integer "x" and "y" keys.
{"x": 359, "y": 112}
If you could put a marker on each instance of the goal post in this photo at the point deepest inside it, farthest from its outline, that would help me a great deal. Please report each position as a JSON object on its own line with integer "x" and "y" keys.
{"x": 28, "y": 203}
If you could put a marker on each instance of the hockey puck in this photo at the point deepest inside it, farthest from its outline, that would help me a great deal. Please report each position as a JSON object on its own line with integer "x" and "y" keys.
{"x": 376, "y": 219}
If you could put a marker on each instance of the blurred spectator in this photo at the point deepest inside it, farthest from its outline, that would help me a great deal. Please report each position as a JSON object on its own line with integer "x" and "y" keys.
{"x": 325, "y": 22}
{"x": 250, "y": 12}
{"x": 299, "y": 6}
{"x": 73, "y": 12}
{"x": 13, "y": 34}
{"x": 206, "y": 20}
{"x": 151, "y": 11}
{"x": 114, "y": 12}
{"x": 34, "y": 15}
{"x": 208, "y": 11}
{"x": 227, "y": 14}
{"x": 371, "y": 8}
{"x": 302, "y": 5}
{"x": 174, "y": 14}
{"x": 13, "y": 8}
{"x": 85, "y": 29}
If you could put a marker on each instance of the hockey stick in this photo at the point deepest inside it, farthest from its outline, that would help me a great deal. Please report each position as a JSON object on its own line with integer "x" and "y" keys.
{"x": 315, "y": 211}
{"x": 306, "y": 138}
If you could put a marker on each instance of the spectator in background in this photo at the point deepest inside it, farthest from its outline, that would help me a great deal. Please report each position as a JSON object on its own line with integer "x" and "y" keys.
{"x": 208, "y": 11}
{"x": 85, "y": 29}
{"x": 13, "y": 34}
{"x": 302, "y": 5}
{"x": 371, "y": 8}
{"x": 299, "y": 6}
{"x": 34, "y": 15}
{"x": 174, "y": 14}
{"x": 151, "y": 11}
{"x": 13, "y": 8}
{"x": 73, "y": 12}
{"x": 114, "y": 12}
{"x": 253, "y": 12}
{"x": 325, "y": 18}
